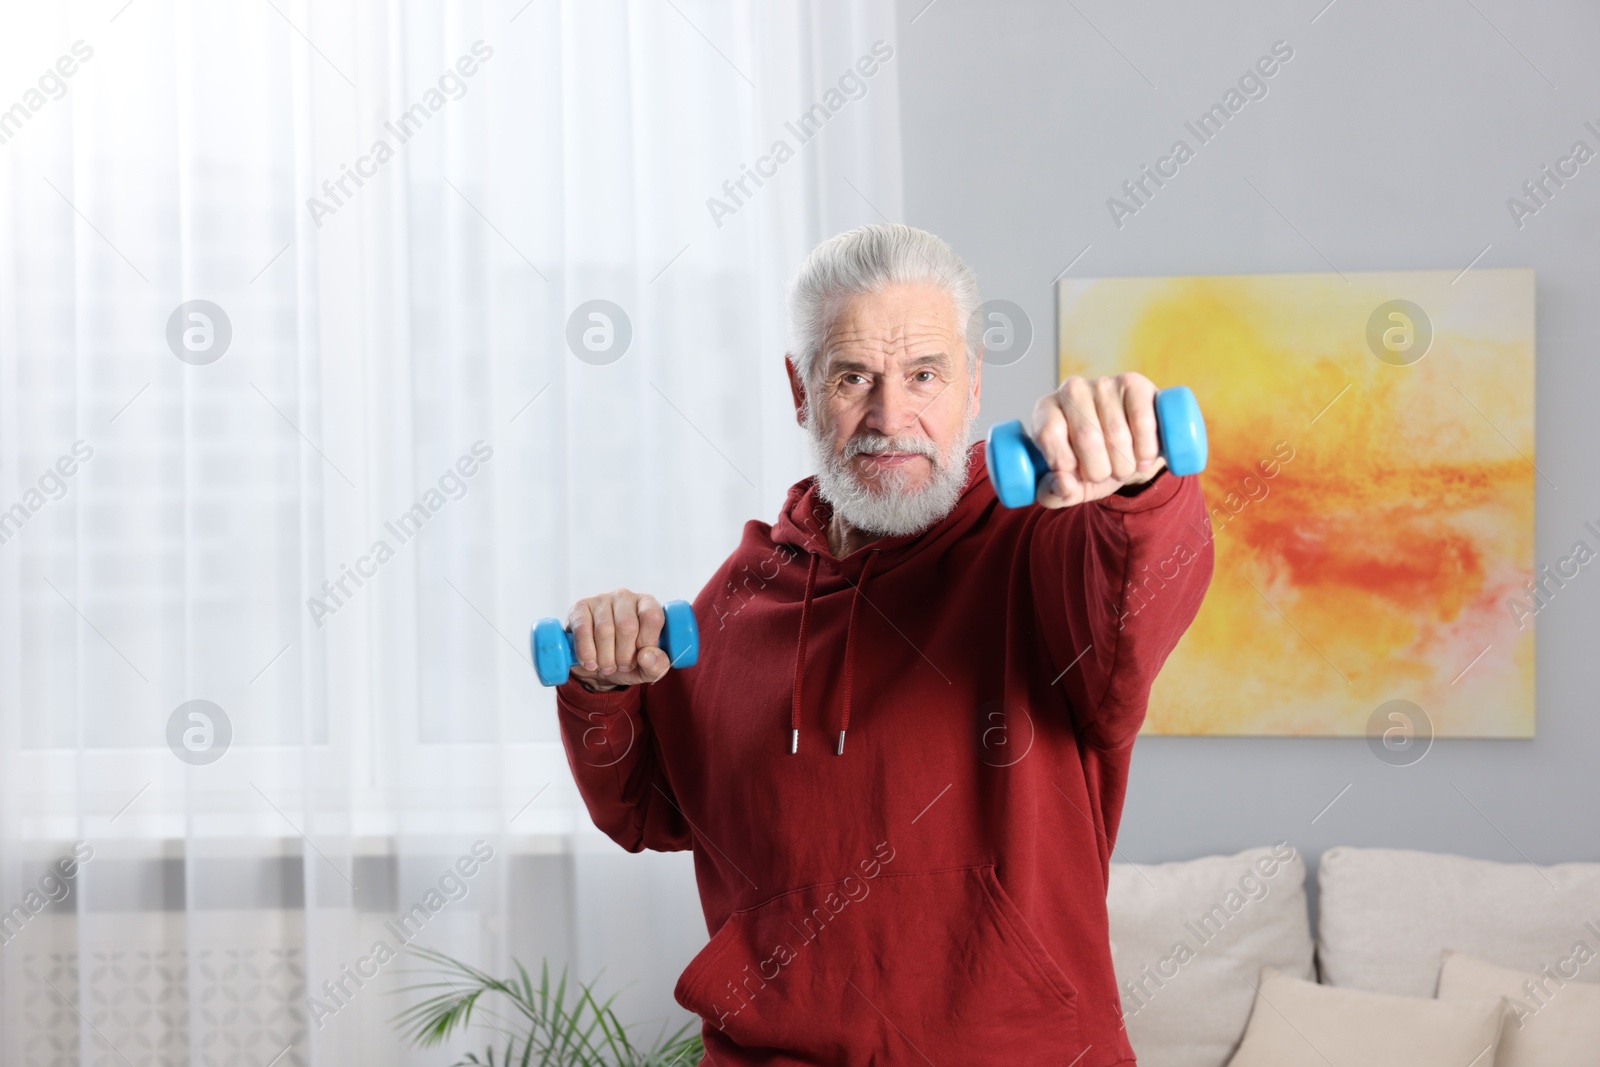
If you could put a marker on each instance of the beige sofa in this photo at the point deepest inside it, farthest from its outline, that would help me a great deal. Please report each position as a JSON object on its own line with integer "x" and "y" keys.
{"x": 1217, "y": 964}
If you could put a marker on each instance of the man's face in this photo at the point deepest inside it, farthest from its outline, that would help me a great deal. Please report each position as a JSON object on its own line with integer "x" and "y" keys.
{"x": 890, "y": 408}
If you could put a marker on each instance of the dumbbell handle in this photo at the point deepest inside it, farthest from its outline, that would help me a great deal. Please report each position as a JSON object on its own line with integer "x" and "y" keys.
{"x": 555, "y": 651}
{"x": 1016, "y": 465}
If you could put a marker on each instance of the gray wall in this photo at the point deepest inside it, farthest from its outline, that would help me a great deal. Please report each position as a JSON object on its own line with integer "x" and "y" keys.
{"x": 1392, "y": 141}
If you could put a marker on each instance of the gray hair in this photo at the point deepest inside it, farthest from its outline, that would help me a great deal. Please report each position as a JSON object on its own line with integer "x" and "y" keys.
{"x": 866, "y": 260}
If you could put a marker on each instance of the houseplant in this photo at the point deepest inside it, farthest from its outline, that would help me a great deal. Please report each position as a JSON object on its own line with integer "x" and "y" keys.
{"x": 547, "y": 1024}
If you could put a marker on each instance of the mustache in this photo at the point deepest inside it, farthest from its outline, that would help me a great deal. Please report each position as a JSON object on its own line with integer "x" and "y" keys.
{"x": 876, "y": 444}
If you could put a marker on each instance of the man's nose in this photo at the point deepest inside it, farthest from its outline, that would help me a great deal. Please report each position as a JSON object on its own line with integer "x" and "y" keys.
{"x": 891, "y": 409}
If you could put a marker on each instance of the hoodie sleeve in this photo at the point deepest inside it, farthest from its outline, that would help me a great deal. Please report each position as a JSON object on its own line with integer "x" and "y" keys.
{"x": 616, "y": 761}
{"x": 1115, "y": 583}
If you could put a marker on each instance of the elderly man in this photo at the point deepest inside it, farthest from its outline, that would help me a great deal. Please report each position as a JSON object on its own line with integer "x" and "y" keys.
{"x": 900, "y": 761}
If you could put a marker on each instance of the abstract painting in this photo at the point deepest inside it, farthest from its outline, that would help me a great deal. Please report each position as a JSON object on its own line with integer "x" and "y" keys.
{"x": 1371, "y": 488}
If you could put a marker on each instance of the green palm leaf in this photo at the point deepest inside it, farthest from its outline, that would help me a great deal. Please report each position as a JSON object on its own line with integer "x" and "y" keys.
{"x": 543, "y": 1024}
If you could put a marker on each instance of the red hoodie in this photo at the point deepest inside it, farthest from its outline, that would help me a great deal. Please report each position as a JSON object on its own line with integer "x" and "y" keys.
{"x": 934, "y": 892}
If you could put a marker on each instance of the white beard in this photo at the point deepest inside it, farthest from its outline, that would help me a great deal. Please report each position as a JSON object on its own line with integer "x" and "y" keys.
{"x": 889, "y": 508}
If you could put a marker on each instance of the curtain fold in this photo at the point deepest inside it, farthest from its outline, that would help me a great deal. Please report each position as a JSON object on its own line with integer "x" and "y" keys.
{"x": 338, "y": 343}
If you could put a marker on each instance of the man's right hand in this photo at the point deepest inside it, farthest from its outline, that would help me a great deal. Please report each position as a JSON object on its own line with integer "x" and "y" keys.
{"x": 618, "y": 639}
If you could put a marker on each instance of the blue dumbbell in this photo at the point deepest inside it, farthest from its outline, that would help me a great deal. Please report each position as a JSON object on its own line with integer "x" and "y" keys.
{"x": 1016, "y": 464}
{"x": 554, "y": 652}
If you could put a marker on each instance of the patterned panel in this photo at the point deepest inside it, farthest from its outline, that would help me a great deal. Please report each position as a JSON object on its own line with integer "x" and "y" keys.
{"x": 49, "y": 1023}
{"x": 135, "y": 1003}
{"x": 249, "y": 1012}
{"x": 251, "y": 1007}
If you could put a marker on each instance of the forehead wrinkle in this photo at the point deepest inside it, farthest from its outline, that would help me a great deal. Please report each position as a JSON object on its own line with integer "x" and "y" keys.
{"x": 900, "y": 333}
{"x": 861, "y": 348}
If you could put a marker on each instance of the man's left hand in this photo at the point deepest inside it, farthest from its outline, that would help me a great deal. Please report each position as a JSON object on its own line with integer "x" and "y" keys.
{"x": 1097, "y": 435}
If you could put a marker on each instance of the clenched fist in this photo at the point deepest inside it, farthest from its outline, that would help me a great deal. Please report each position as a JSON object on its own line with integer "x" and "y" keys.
{"x": 618, "y": 640}
{"x": 1097, "y": 435}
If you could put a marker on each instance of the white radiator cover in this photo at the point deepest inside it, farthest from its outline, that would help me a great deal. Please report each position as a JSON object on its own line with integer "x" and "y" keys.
{"x": 239, "y": 999}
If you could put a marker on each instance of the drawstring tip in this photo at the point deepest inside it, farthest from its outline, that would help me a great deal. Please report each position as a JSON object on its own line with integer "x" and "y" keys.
{"x": 794, "y": 741}
{"x": 840, "y": 750}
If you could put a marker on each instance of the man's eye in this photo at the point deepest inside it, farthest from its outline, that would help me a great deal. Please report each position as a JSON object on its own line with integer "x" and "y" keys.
{"x": 853, "y": 379}
{"x": 925, "y": 376}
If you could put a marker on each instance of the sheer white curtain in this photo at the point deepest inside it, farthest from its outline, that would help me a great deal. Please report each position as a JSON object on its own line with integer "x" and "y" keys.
{"x": 328, "y": 501}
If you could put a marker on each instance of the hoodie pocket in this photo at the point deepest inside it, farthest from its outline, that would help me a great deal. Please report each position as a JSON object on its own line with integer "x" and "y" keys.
{"x": 902, "y": 967}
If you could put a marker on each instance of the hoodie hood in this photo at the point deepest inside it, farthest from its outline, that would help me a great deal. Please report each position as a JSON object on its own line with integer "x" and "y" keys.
{"x": 803, "y": 526}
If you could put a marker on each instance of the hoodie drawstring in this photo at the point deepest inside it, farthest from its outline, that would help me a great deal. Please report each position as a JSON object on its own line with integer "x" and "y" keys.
{"x": 849, "y": 654}
{"x": 849, "y": 650}
{"x": 800, "y": 657}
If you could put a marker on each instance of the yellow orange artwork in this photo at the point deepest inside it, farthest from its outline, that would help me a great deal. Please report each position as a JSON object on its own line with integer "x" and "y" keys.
{"x": 1371, "y": 486}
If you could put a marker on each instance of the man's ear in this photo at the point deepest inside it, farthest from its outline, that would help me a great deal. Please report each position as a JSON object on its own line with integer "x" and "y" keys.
{"x": 977, "y": 382}
{"x": 796, "y": 388}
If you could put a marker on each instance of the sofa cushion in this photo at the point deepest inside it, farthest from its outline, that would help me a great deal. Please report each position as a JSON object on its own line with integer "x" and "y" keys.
{"x": 1301, "y": 1024}
{"x": 1188, "y": 940}
{"x": 1552, "y": 1021}
{"x": 1385, "y": 915}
